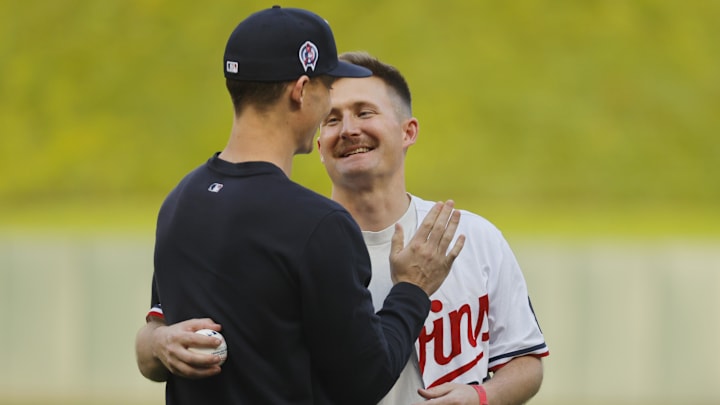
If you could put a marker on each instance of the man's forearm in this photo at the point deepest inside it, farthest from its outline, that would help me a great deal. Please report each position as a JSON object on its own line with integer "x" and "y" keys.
{"x": 516, "y": 382}
{"x": 150, "y": 366}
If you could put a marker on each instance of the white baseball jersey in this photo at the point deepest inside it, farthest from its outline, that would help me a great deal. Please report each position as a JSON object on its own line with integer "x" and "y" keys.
{"x": 480, "y": 317}
{"x": 378, "y": 243}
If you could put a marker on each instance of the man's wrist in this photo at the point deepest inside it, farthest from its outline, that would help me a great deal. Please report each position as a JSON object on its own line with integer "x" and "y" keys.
{"x": 481, "y": 393}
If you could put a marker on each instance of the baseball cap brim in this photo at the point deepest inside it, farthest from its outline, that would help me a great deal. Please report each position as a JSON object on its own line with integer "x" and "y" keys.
{"x": 345, "y": 69}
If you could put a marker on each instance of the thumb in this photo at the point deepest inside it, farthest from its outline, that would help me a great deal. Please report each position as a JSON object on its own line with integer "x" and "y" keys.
{"x": 398, "y": 240}
{"x": 434, "y": 392}
{"x": 396, "y": 246}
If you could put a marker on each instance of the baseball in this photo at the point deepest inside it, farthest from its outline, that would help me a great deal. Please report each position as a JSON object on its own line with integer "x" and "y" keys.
{"x": 221, "y": 350}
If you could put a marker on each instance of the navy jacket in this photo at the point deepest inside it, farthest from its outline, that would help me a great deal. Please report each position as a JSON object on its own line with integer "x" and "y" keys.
{"x": 284, "y": 270}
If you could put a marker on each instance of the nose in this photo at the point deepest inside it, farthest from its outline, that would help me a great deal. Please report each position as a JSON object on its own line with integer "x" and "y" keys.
{"x": 349, "y": 127}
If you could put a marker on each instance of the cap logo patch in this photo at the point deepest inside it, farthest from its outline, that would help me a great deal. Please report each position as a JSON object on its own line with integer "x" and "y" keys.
{"x": 308, "y": 55}
{"x": 231, "y": 67}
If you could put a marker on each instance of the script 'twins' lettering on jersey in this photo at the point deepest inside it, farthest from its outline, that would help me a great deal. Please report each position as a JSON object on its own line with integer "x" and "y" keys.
{"x": 464, "y": 323}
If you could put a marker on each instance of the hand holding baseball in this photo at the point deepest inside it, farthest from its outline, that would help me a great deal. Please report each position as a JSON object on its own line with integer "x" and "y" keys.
{"x": 171, "y": 345}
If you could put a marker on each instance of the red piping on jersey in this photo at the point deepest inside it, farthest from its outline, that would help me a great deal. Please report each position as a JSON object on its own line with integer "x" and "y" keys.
{"x": 538, "y": 355}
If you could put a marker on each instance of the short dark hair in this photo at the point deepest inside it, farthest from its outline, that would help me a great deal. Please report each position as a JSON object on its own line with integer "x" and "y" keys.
{"x": 389, "y": 74}
{"x": 261, "y": 94}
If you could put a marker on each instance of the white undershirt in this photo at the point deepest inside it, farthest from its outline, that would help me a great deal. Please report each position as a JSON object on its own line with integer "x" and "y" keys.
{"x": 378, "y": 243}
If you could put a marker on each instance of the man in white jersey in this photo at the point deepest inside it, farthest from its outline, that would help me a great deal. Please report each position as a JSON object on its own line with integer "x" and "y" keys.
{"x": 481, "y": 322}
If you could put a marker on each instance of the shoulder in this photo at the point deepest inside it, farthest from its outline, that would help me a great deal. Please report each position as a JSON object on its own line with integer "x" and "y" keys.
{"x": 308, "y": 212}
{"x": 469, "y": 221}
{"x": 313, "y": 204}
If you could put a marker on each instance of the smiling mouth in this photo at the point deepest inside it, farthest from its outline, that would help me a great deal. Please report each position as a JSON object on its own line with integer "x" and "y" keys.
{"x": 356, "y": 151}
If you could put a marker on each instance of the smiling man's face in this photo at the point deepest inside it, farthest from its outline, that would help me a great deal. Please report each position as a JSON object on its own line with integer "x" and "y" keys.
{"x": 364, "y": 138}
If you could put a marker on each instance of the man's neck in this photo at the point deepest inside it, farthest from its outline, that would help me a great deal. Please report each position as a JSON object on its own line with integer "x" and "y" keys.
{"x": 256, "y": 138}
{"x": 376, "y": 209}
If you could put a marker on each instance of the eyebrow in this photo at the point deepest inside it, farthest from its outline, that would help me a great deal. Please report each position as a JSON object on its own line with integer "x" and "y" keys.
{"x": 355, "y": 105}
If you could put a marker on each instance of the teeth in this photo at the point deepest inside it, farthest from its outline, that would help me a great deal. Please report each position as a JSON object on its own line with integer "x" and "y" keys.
{"x": 358, "y": 150}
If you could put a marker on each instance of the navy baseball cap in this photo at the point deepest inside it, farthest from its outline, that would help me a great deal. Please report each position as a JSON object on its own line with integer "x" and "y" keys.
{"x": 282, "y": 44}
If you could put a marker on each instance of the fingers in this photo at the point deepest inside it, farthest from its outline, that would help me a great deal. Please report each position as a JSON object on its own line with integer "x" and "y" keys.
{"x": 398, "y": 239}
{"x": 440, "y": 226}
{"x": 193, "y": 371}
{"x": 457, "y": 247}
{"x": 448, "y": 232}
{"x": 425, "y": 261}
{"x": 434, "y": 392}
{"x": 427, "y": 225}
{"x": 196, "y": 324}
{"x": 448, "y": 236}
{"x": 428, "y": 393}
{"x": 171, "y": 347}
{"x": 397, "y": 244}
{"x": 449, "y": 393}
{"x": 441, "y": 220}
{"x": 180, "y": 332}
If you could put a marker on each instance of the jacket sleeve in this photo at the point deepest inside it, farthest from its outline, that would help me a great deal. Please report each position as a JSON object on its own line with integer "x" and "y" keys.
{"x": 357, "y": 354}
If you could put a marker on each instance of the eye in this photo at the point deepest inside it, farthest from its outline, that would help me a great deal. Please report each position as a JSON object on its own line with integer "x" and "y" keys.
{"x": 330, "y": 121}
{"x": 365, "y": 113}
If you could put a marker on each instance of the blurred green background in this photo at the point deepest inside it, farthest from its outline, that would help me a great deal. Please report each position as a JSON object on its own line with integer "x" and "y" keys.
{"x": 588, "y": 131}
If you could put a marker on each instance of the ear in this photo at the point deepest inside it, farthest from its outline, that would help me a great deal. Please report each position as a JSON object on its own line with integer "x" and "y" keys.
{"x": 410, "y": 127}
{"x": 322, "y": 159}
{"x": 298, "y": 89}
